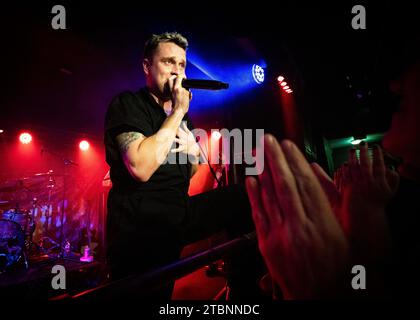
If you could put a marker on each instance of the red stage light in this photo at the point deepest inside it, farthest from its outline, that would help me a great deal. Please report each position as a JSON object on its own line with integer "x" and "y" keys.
{"x": 25, "y": 138}
{"x": 286, "y": 87}
{"x": 283, "y": 83}
{"x": 1, "y": 130}
{"x": 84, "y": 145}
{"x": 280, "y": 78}
{"x": 216, "y": 135}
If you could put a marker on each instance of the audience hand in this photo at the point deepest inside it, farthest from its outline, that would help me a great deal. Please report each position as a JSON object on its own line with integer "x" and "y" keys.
{"x": 299, "y": 237}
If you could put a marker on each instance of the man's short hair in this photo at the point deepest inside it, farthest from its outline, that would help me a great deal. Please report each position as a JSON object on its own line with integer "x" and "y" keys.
{"x": 155, "y": 39}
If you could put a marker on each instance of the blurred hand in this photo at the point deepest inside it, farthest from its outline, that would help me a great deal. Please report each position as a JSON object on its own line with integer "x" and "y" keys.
{"x": 359, "y": 193}
{"x": 186, "y": 143}
{"x": 299, "y": 237}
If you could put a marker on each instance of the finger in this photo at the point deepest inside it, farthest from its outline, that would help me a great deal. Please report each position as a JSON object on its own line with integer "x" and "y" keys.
{"x": 284, "y": 183}
{"x": 178, "y": 82}
{"x": 378, "y": 164}
{"x": 269, "y": 199}
{"x": 171, "y": 82}
{"x": 179, "y": 141}
{"x": 314, "y": 199}
{"x": 346, "y": 177}
{"x": 326, "y": 182}
{"x": 352, "y": 158}
{"x": 181, "y": 135}
{"x": 365, "y": 163}
{"x": 258, "y": 213}
{"x": 393, "y": 180}
{"x": 353, "y": 165}
{"x": 337, "y": 179}
{"x": 320, "y": 173}
{"x": 185, "y": 127}
{"x": 179, "y": 149}
{"x": 181, "y": 131}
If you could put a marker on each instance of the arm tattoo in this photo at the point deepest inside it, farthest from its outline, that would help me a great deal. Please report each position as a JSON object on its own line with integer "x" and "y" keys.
{"x": 124, "y": 139}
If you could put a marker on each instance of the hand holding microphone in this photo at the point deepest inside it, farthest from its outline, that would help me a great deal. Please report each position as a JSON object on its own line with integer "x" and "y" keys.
{"x": 180, "y": 96}
{"x": 176, "y": 82}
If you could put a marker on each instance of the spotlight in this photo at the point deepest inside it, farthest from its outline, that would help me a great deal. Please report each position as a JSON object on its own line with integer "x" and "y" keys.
{"x": 286, "y": 87}
{"x": 358, "y": 138}
{"x": 84, "y": 145}
{"x": 216, "y": 135}
{"x": 258, "y": 73}
{"x": 1, "y": 130}
{"x": 283, "y": 83}
{"x": 25, "y": 138}
{"x": 356, "y": 142}
{"x": 280, "y": 78}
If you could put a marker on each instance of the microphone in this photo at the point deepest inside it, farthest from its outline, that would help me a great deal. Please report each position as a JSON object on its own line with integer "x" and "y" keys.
{"x": 204, "y": 84}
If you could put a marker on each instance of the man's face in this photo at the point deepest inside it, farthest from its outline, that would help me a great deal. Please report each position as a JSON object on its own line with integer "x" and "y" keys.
{"x": 169, "y": 59}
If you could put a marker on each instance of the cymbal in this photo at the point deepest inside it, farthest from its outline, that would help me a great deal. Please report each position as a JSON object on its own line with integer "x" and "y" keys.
{"x": 3, "y": 202}
{"x": 32, "y": 181}
{"x": 43, "y": 174}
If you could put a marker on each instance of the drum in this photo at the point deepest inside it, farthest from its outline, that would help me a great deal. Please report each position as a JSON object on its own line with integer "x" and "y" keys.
{"x": 23, "y": 218}
{"x": 12, "y": 242}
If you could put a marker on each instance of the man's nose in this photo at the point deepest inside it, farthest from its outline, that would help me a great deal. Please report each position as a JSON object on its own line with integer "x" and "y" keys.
{"x": 175, "y": 70}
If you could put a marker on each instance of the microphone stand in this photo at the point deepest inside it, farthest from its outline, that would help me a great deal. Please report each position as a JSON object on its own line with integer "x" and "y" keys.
{"x": 64, "y": 246}
{"x": 66, "y": 162}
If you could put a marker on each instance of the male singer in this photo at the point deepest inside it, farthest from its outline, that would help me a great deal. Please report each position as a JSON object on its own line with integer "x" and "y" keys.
{"x": 150, "y": 215}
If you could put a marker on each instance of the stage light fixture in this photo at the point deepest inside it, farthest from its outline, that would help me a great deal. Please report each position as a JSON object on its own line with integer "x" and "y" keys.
{"x": 258, "y": 73}
{"x": 84, "y": 145}
{"x": 25, "y": 138}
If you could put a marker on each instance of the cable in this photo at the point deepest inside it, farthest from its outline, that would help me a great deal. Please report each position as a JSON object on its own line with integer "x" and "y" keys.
{"x": 207, "y": 160}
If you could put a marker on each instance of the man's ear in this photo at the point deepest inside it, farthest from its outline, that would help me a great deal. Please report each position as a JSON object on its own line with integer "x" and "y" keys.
{"x": 146, "y": 66}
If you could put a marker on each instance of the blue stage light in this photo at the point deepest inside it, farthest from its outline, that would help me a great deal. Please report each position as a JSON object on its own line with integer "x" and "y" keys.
{"x": 258, "y": 73}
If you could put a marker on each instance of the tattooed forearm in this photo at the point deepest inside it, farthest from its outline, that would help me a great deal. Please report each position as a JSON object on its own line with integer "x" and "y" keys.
{"x": 124, "y": 140}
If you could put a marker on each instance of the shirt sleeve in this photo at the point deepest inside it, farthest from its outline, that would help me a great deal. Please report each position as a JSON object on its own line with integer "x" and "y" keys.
{"x": 128, "y": 113}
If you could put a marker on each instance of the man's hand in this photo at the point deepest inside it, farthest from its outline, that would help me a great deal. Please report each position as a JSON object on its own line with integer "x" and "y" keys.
{"x": 180, "y": 96}
{"x": 187, "y": 144}
{"x": 299, "y": 237}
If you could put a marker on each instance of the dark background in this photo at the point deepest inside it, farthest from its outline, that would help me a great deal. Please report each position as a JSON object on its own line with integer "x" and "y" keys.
{"x": 60, "y": 82}
{"x": 57, "y": 84}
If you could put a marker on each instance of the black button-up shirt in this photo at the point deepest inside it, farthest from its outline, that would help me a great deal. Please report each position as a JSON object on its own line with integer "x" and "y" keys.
{"x": 139, "y": 112}
{"x": 142, "y": 212}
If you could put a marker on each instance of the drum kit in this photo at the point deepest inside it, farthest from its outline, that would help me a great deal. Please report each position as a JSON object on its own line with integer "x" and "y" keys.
{"x": 21, "y": 213}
